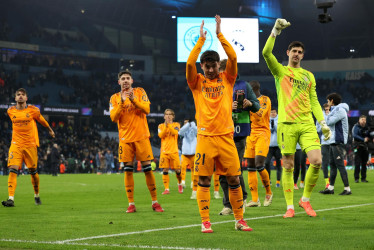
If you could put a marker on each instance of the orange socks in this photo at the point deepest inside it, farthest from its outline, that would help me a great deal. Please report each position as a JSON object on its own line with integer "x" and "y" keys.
{"x": 179, "y": 177}
{"x": 236, "y": 201}
{"x": 151, "y": 184}
{"x": 35, "y": 180}
{"x": 12, "y": 182}
{"x": 203, "y": 201}
{"x": 216, "y": 181}
{"x": 265, "y": 180}
{"x": 129, "y": 186}
{"x": 183, "y": 172}
{"x": 253, "y": 185}
{"x": 165, "y": 179}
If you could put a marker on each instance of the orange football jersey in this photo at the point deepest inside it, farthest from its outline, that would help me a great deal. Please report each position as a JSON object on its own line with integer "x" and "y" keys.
{"x": 132, "y": 122}
{"x": 169, "y": 137}
{"x": 25, "y": 131}
{"x": 213, "y": 98}
{"x": 260, "y": 121}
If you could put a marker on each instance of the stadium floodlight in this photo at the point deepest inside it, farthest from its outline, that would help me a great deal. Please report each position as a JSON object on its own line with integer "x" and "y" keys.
{"x": 324, "y": 4}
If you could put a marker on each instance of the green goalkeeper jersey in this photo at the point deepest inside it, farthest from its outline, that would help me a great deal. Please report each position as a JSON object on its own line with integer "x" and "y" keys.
{"x": 296, "y": 90}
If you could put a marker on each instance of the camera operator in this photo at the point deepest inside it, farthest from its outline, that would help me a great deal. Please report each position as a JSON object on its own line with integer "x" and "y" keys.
{"x": 360, "y": 133}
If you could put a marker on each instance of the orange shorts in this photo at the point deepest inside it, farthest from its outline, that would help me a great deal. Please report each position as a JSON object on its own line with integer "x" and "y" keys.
{"x": 187, "y": 161}
{"x": 257, "y": 144}
{"x": 18, "y": 155}
{"x": 220, "y": 150}
{"x": 170, "y": 161}
{"x": 141, "y": 149}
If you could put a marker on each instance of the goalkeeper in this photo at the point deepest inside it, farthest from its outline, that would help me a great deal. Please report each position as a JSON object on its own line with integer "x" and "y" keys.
{"x": 297, "y": 100}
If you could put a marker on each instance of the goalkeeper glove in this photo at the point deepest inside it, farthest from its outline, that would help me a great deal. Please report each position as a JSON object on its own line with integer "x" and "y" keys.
{"x": 279, "y": 25}
{"x": 325, "y": 130}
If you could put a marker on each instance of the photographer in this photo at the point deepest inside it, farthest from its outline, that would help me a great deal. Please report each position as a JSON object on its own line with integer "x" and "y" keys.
{"x": 360, "y": 133}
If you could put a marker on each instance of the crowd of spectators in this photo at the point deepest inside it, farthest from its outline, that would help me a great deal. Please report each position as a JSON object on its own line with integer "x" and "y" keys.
{"x": 82, "y": 148}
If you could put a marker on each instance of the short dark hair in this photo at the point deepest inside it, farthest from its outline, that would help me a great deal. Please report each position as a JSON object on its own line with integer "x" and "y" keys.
{"x": 274, "y": 108}
{"x": 21, "y": 90}
{"x": 296, "y": 44}
{"x": 325, "y": 105}
{"x": 255, "y": 85}
{"x": 124, "y": 72}
{"x": 362, "y": 116}
{"x": 222, "y": 65}
{"x": 336, "y": 98}
{"x": 209, "y": 56}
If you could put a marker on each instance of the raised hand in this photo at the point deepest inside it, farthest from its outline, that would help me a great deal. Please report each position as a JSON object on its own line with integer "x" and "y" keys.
{"x": 202, "y": 32}
{"x": 123, "y": 96}
{"x": 279, "y": 25}
{"x": 218, "y": 24}
{"x": 130, "y": 95}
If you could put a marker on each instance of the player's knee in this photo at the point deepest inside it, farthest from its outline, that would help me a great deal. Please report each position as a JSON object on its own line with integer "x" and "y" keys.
{"x": 13, "y": 170}
{"x": 260, "y": 168}
{"x": 252, "y": 169}
{"x": 33, "y": 171}
{"x": 316, "y": 161}
{"x": 147, "y": 168}
{"x": 233, "y": 180}
{"x": 204, "y": 181}
{"x": 128, "y": 168}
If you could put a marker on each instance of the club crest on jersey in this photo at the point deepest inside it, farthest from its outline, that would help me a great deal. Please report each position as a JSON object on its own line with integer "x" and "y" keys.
{"x": 219, "y": 80}
{"x": 27, "y": 115}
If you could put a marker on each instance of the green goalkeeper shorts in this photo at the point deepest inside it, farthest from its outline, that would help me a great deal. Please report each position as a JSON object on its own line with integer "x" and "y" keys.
{"x": 289, "y": 134}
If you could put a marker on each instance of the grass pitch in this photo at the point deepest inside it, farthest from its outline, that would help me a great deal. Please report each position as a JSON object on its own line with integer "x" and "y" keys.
{"x": 87, "y": 211}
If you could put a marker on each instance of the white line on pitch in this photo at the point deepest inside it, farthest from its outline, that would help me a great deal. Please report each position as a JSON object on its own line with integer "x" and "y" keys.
{"x": 104, "y": 245}
{"x": 197, "y": 225}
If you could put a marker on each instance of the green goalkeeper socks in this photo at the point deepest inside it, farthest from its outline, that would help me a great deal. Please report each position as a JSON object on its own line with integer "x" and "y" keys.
{"x": 311, "y": 178}
{"x": 287, "y": 183}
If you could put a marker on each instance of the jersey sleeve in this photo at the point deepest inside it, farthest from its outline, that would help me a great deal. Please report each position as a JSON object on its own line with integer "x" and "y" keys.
{"x": 115, "y": 109}
{"x": 162, "y": 129}
{"x": 314, "y": 103}
{"x": 175, "y": 129}
{"x": 142, "y": 103}
{"x": 274, "y": 66}
{"x": 191, "y": 71}
{"x": 252, "y": 97}
{"x": 231, "y": 66}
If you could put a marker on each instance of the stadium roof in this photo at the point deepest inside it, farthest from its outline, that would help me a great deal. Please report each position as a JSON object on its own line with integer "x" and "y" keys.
{"x": 350, "y": 34}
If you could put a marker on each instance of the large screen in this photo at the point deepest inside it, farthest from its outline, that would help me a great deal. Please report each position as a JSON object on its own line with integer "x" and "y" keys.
{"x": 242, "y": 33}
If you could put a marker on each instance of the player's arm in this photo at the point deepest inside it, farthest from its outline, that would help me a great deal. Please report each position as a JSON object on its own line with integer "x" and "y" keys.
{"x": 184, "y": 129}
{"x": 174, "y": 128}
{"x": 272, "y": 62}
{"x": 231, "y": 66}
{"x": 253, "y": 99}
{"x": 355, "y": 133}
{"x": 267, "y": 107}
{"x": 45, "y": 124}
{"x": 115, "y": 109}
{"x": 334, "y": 117}
{"x": 143, "y": 104}
{"x": 162, "y": 131}
{"x": 267, "y": 51}
{"x": 191, "y": 71}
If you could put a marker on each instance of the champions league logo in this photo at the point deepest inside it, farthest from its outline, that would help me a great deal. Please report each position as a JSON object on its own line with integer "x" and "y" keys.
{"x": 235, "y": 41}
{"x": 192, "y": 35}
